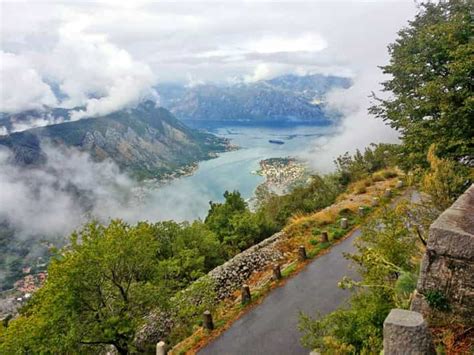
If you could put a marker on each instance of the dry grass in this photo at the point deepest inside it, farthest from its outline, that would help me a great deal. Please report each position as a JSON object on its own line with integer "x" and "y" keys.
{"x": 454, "y": 339}
{"x": 368, "y": 182}
{"x": 360, "y": 189}
{"x": 385, "y": 174}
{"x": 301, "y": 225}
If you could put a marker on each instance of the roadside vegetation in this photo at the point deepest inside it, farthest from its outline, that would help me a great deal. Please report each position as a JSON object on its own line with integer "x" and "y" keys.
{"x": 110, "y": 277}
{"x": 431, "y": 106}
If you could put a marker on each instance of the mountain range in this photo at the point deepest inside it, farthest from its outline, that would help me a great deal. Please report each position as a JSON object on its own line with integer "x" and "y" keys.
{"x": 284, "y": 98}
{"x": 149, "y": 142}
{"x": 146, "y": 141}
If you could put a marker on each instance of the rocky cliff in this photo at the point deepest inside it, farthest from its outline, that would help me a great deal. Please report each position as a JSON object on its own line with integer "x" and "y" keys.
{"x": 146, "y": 141}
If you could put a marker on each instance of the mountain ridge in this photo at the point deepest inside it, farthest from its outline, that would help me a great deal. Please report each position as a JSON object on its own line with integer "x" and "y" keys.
{"x": 284, "y": 98}
{"x": 146, "y": 141}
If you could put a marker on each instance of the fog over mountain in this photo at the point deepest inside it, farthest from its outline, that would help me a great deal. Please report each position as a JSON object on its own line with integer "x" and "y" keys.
{"x": 96, "y": 58}
{"x": 103, "y": 57}
{"x": 295, "y": 98}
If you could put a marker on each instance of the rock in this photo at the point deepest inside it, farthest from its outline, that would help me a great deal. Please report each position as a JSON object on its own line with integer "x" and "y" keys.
{"x": 448, "y": 264}
{"x": 406, "y": 332}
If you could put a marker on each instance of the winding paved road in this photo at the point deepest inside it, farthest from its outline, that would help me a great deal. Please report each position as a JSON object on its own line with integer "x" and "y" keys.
{"x": 272, "y": 326}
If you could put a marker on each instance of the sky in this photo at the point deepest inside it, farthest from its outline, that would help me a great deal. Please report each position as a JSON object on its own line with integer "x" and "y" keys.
{"x": 107, "y": 55}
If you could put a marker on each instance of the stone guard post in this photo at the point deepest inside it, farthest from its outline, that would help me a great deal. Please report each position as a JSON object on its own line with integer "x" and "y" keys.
{"x": 406, "y": 332}
{"x": 161, "y": 348}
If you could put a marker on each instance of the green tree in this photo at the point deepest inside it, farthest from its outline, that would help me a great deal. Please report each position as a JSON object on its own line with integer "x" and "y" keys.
{"x": 360, "y": 165}
{"x": 97, "y": 291}
{"x": 320, "y": 192}
{"x": 236, "y": 227}
{"x": 220, "y": 214}
{"x": 431, "y": 71}
{"x": 187, "y": 252}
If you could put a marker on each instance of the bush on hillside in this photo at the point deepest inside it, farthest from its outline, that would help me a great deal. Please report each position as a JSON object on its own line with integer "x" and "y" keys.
{"x": 445, "y": 180}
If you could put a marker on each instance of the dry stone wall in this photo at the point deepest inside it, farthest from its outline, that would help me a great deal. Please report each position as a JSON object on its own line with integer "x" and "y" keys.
{"x": 231, "y": 275}
{"x": 226, "y": 278}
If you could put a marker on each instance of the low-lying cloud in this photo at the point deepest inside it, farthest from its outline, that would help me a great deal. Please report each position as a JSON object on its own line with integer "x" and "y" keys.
{"x": 44, "y": 201}
{"x": 71, "y": 188}
{"x": 94, "y": 73}
{"x": 367, "y": 47}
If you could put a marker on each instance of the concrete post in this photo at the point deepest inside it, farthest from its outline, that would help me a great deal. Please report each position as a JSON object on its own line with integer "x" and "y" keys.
{"x": 387, "y": 193}
{"x": 302, "y": 253}
{"x": 399, "y": 184}
{"x": 276, "y": 272}
{"x": 161, "y": 348}
{"x": 344, "y": 223}
{"x": 324, "y": 237}
{"x": 361, "y": 211}
{"x": 375, "y": 201}
{"x": 246, "y": 297}
{"x": 406, "y": 332}
{"x": 207, "y": 321}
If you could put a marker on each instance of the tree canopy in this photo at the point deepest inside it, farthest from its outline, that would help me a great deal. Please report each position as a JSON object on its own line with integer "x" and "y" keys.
{"x": 431, "y": 70}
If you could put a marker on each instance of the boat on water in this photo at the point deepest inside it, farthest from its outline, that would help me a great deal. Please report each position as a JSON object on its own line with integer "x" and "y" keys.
{"x": 276, "y": 141}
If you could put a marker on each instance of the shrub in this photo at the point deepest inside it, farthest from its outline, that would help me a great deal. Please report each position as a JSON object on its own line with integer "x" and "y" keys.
{"x": 360, "y": 189}
{"x": 389, "y": 174}
{"x": 445, "y": 180}
{"x": 361, "y": 165}
{"x": 437, "y": 300}
{"x": 378, "y": 177}
{"x": 338, "y": 233}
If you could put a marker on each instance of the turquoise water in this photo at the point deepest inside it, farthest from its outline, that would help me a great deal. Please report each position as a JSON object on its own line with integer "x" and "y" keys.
{"x": 187, "y": 198}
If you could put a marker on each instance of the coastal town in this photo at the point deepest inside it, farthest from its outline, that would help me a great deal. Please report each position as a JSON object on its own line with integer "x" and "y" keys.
{"x": 282, "y": 173}
{"x": 11, "y": 300}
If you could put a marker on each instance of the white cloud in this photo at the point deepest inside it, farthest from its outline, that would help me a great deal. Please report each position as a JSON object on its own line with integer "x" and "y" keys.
{"x": 357, "y": 128}
{"x": 22, "y": 88}
{"x": 107, "y": 57}
{"x": 44, "y": 201}
{"x": 95, "y": 73}
{"x": 261, "y": 72}
{"x": 89, "y": 70}
{"x": 308, "y": 42}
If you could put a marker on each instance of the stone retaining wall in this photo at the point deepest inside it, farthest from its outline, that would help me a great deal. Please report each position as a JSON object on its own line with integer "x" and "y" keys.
{"x": 447, "y": 268}
{"x": 232, "y": 274}
{"x": 227, "y": 278}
